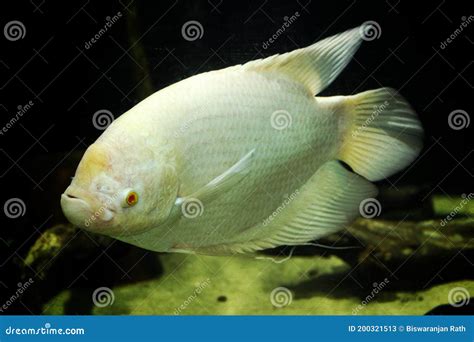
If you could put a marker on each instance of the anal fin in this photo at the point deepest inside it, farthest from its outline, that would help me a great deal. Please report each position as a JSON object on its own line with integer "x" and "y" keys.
{"x": 326, "y": 203}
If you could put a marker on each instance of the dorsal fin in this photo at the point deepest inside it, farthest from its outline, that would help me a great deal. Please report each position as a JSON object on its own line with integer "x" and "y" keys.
{"x": 317, "y": 65}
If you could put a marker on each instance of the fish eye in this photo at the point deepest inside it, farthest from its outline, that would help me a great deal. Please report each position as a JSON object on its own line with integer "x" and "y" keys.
{"x": 130, "y": 199}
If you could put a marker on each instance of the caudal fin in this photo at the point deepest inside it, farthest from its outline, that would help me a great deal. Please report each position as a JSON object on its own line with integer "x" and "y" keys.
{"x": 381, "y": 134}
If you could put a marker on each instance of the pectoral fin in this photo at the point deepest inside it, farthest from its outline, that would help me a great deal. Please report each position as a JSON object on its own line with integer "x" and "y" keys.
{"x": 219, "y": 185}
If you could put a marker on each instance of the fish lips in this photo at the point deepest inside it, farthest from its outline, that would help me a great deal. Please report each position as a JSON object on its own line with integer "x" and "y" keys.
{"x": 80, "y": 213}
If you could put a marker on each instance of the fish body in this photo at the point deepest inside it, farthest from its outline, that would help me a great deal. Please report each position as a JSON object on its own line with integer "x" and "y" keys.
{"x": 244, "y": 158}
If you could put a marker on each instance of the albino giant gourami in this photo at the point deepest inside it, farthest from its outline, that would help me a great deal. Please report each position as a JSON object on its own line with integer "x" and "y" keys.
{"x": 244, "y": 158}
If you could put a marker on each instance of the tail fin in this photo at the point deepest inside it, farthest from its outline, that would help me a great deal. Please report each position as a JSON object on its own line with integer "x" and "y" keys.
{"x": 381, "y": 134}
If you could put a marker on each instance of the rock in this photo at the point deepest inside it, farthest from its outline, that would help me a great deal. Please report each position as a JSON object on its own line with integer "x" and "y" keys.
{"x": 302, "y": 285}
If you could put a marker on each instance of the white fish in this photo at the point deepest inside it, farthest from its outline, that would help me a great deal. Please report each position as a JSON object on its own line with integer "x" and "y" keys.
{"x": 244, "y": 158}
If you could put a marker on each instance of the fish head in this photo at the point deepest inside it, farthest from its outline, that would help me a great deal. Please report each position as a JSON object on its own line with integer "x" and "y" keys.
{"x": 119, "y": 194}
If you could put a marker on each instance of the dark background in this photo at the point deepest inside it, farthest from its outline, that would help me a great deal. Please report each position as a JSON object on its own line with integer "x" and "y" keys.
{"x": 145, "y": 51}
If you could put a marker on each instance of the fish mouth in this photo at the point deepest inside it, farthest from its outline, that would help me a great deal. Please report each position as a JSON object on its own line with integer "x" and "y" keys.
{"x": 76, "y": 210}
{"x": 79, "y": 211}
{"x": 73, "y": 198}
